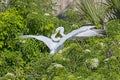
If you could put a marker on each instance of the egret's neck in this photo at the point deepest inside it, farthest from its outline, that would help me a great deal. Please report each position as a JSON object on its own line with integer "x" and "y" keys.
{"x": 62, "y": 32}
{"x": 53, "y": 37}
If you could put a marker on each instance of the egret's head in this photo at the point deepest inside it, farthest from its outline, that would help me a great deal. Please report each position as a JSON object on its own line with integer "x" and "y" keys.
{"x": 60, "y": 29}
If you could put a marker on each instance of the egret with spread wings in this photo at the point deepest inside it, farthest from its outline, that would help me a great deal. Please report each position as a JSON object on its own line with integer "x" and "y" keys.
{"x": 56, "y": 46}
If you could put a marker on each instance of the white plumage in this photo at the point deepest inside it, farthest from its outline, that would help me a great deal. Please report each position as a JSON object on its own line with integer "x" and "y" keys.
{"x": 56, "y": 46}
{"x": 81, "y": 35}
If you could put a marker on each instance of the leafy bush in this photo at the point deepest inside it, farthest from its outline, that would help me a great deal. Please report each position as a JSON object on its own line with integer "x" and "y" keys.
{"x": 96, "y": 58}
{"x": 11, "y": 25}
{"x": 29, "y": 59}
{"x": 92, "y": 12}
{"x": 113, "y": 9}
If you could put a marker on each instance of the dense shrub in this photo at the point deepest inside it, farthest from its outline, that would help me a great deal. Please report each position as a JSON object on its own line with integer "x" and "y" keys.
{"x": 11, "y": 25}
{"x": 29, "y": 59}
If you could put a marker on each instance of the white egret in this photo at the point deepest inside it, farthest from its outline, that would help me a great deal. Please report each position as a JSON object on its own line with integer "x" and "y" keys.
{"x": 81, "y": 35}
{"x": 56, "y": 46}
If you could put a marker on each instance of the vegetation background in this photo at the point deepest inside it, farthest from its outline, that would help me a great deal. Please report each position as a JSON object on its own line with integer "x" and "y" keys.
{"x": 28, "y": 59}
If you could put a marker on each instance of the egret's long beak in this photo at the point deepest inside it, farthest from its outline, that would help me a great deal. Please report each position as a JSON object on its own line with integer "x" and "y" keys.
{"x": 101, "y": 32}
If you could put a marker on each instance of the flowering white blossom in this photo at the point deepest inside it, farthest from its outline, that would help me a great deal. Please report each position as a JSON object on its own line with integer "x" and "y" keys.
{"x": 10, "y": 74}
{"x": 57, "y": 65}
{"x": 94, "y": 63}
{"x": 64, "y": 59}
{"x": 34, "y": 13}
{"x": 87, "y": 50}
{"x": 22, "y": 41}
{"x": 102, "y": 44}
{"x": 47, "y": 14}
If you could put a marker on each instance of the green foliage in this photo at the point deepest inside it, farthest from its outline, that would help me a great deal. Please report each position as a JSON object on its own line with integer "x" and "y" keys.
{"x": 92, "y": 12}
{"x": 8, "y": 76}
{"x": 11, "y": 25}
{"x": 28, "y": 6}
{"x": 113, "y": 9}
{"x": 28, "y": 59}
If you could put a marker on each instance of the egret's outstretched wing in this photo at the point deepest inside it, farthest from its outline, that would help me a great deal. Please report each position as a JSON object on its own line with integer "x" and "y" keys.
{"x": 80, "y": 30}
{"x": 73, "y": 33}
{"x": 87, "y": 27}
{"x": 90, "y": 33}
{"x": 70, "y": 35}
{"x": 61, "y": 29}
{"x": 46, "y": 40}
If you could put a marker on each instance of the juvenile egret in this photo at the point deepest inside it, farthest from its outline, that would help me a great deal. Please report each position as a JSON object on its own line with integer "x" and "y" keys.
{"x": 56, "y": 46}
{"x": 81, "y": 35}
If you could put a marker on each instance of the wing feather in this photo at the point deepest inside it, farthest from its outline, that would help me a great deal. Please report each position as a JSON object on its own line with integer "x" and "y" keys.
{"x": 46, "y": 40}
